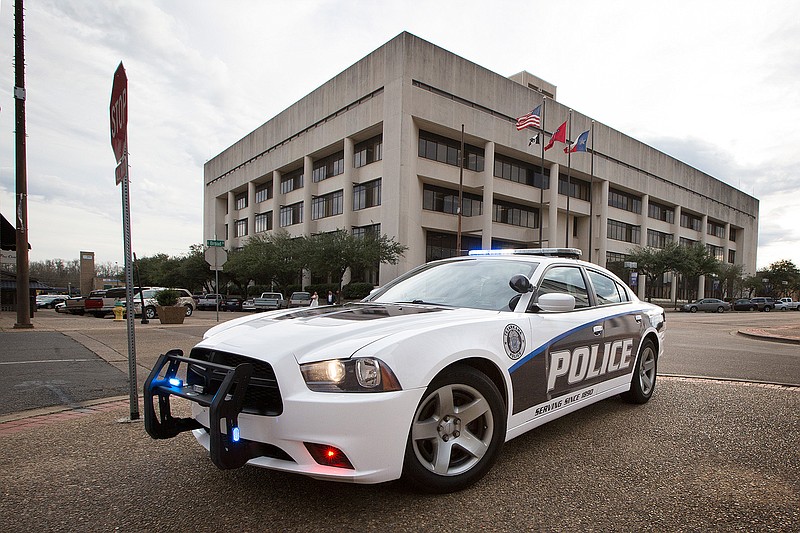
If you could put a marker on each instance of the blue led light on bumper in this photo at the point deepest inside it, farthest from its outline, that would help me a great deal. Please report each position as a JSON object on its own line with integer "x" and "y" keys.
{"x": 235, "y": 434}
{"x": 175, "y": 382}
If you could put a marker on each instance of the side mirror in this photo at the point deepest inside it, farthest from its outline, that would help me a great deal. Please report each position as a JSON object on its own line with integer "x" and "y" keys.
{"x": 520, "y": 284}
{"x": 556, "y": 302}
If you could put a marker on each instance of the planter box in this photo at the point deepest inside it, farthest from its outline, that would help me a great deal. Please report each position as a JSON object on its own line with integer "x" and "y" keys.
{"x": 171, "y": 315}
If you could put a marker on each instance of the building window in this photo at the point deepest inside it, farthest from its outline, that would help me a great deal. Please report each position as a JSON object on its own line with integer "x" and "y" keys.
{"x": 620, "y": 231}
{"x": 623, "y": 200}
{"x": 263, "y": 222}
{"x": 514, "y": 170}
{"x": 661, "y": 212}
{"x": 292, "y": 181}
{"x": 716, "y": 229}
{"x": 327, "y": 205}
{"x": 657, "y": 239}
{"x": 263, "y": 192}
{"x": 615, "y": 262}
{"x": 718, "y": 252}
{"x": 373, "y": 230}
{"x": 327, "y": 167}
{"x": 731, "y": 256}
{"x": 692, "y": 222}
{"x": 367, "y": 195}
{"x": 516, "y": 215}
{"x": 291, "y": 214}
{"x": 577, "y": 188}
{"x": 240, "y": 228}
{"x": 687, "y": 242}
{"x": 446, "y": 201}
{"x": 444, "y": 150}
{"x": 241, "y": 201}
{"x": 368, "y": 151}
{"x": 733, "y": 236}
{"x": 443, "y": 245}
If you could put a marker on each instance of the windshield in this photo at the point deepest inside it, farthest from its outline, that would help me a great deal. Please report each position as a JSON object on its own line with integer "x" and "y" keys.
{"x": 473, "y": 283}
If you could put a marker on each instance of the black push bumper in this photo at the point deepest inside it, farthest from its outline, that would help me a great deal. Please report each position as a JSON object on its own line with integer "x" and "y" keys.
{"x": 226, "y": 449}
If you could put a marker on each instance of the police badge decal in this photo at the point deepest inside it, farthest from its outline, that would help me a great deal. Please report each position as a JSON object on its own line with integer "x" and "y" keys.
{"x": 514, "y": 341}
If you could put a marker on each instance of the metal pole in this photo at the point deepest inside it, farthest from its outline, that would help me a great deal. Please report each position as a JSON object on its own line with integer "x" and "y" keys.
{"x": 541, "y": 185}
{"x": 141, "y": 292}
{"x": 126, "y": 231}
{"x": 23, "y": 267}
{"x": 460, "y": 190}
{"x": 216, "y": 278}
{"x": 569, "y": 177}
{"x": 591, "y": 194}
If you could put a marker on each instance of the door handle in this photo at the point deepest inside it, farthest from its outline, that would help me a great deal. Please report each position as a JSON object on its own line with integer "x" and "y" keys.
{"x": 597, "y": 330}
{"x": 638, "y": 318}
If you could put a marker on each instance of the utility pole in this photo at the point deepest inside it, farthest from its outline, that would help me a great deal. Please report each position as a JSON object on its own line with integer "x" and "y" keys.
{"x": 23, "y": 267}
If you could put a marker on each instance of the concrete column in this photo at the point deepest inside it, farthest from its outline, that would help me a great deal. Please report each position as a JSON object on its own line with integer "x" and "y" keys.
{"x": 230, "y": 219}
{"x": 309, "y": 188}
{"x": 726, "y": 242}
{"x": 349, "y": 172}
{"x": 644, "y": 226}
{"x": 251, "y": 209}
{"x": 601, "y": 225}
{"x": 488, "y": 196}
{"x": 701, "y": 283}
{"x": 553, "y": 234}
{"x": 278, "y": 199}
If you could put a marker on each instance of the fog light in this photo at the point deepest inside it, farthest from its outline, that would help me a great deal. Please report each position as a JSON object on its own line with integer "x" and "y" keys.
{"x": 327, "y": 455}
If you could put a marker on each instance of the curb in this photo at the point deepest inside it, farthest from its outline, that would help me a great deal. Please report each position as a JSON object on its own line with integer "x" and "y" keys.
{"x": 767, "y": 336}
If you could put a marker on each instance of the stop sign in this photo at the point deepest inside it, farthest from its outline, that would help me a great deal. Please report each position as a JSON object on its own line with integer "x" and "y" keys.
{"x": 119, "y": 112}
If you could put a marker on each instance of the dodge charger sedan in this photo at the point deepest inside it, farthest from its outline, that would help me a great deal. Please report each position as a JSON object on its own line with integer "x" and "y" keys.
{"x": 423, "y": 380}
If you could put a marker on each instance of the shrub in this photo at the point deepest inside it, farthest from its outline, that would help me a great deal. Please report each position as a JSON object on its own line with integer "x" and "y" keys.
{"x": 357, "y": 290}
{"x": 167, "y": 297}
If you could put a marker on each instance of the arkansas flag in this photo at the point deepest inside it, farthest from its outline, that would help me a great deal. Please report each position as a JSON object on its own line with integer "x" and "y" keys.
{"x": 579, "y": 145}
{"x": 560, "y": 135}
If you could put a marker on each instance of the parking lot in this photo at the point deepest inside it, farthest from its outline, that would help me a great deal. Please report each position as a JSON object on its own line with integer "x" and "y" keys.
{"x": 718, "y": 454}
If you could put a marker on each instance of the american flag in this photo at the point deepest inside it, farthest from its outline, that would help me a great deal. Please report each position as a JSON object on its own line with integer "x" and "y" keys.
{"x": 532, "y": 119}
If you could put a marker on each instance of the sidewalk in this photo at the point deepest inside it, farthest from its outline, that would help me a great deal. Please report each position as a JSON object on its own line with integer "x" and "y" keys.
{"x": 787, "y": 334}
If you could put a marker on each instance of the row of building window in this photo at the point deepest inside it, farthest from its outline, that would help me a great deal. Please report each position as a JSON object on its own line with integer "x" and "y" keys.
{"x": 328, "y": 167}
{"x": 327, "y": 205}
{"x": 514, "y": 170}
{"x": 445, "y": 150}
{"x": 445, "y": 200}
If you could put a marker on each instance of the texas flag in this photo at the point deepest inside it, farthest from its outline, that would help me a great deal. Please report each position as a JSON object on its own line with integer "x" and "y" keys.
{"x": 560, "y": 135}
{"x": 579, "y": 145}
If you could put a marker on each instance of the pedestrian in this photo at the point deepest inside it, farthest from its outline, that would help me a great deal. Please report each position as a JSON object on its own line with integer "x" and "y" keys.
{"x": 331, "y": 298}
{"x": 314, "y": 300}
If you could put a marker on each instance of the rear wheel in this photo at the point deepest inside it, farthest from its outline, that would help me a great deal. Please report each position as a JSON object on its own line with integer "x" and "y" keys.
{"x": 643, "y": 382}
{"x": 189, "y": 310}
{"x": 693, "y": 309}
{"x": 720, "y": 309}
{"x": 150, "y": 312}
{"x": 457, "y": 432}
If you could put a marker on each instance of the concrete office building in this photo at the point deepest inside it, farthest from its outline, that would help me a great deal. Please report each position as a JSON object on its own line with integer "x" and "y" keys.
{"x": 376, "y": 149}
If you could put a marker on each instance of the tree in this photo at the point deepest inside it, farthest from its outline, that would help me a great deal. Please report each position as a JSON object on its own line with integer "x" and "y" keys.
{"x": 654, "y": 263}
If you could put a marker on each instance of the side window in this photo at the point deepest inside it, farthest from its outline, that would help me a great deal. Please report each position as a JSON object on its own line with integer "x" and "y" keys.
{"x": 606, "y": 290}
{"x": 565, "y": 279}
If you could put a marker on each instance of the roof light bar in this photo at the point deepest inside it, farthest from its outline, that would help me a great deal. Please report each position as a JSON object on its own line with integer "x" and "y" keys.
{"x": 572, "y": 253}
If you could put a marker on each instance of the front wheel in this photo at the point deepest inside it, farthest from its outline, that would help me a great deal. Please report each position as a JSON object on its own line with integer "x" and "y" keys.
{"x": 643, "y": 382}
{"x": 150, "y": 312}
{"x": 767, "y": 309}
{"x": 693, "y": 309}
{"x": 189, "y": 310}
{"x": 457, "y": 432}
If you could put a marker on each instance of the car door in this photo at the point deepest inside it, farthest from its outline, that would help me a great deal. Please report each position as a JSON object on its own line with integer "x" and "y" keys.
{"x": 547, "y": 373}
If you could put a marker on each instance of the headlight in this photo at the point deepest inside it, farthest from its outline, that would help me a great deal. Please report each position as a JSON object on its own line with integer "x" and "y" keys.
{"x": 366, "y": 374}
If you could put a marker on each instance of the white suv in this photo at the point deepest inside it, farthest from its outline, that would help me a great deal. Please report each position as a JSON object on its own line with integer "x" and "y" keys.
{"x": 185, "y": 299}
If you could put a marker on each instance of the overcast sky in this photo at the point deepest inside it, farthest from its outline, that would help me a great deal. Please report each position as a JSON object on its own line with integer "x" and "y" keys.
{"x": 715, "y": 84}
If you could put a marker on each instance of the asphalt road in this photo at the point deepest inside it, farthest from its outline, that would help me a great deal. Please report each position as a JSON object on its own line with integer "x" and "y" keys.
{"x": 701, "y": 455}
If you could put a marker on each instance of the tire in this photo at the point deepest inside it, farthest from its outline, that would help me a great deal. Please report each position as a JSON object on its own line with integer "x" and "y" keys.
{"x": 693, "y": 309}
{"x": 643, "y": 382}
{"x": 150, "y": 312}
{"x": 189, "y": 310}
{"x": 720, "y": 309}
{"x": 767, "y": 309}
{"x": 437, "y": 459}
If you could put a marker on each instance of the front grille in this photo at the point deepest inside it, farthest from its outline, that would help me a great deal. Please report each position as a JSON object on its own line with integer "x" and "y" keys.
{"x": 263, "y": 397}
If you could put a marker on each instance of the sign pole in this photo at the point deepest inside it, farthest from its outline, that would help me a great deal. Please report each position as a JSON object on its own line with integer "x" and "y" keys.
{"x": 216, "y": 279}
{"x": 118, "y": 112}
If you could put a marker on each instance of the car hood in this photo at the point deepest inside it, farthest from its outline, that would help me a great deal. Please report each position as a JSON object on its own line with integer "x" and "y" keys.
{"x": 314, "y": 334}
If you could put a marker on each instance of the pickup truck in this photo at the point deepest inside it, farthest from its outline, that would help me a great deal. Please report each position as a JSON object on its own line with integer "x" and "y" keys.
{"x": 209, "y": 301}
{"x": 101, "y": 302}
{"x": 269, "y": 301}
{"x": 787, "y": 304}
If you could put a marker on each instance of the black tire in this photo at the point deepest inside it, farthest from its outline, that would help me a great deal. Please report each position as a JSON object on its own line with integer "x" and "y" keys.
{"x": 720, "y": 309}
{"x": 189, "y": 310}
{"x": 643, "y": 382}
{"x": 439, "y": 436}
{"x": 693, "y": 309}
{"x": 767, "y": 309}
{"x": 150, "y": 312}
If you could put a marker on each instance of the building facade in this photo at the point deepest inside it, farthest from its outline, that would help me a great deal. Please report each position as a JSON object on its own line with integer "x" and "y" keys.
{"x": 376, "y": 149}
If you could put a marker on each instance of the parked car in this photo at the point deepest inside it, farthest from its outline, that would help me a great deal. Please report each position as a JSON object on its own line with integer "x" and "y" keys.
{"x": 209, "y": 301}
{"x": 786, "y": 304}
{"x": 763, "y": 304}
{"x": 300, "y": 299}
{"x": 49, "y": 301}
{"x": 248, "y": 305}
{"x": 445, "y": 364}
{"x": 185, "y": 299}
{"x": 744, "y": 304}
{"x": 231, "y": 304}
{"x": 269, "y": 301}
{"x": 709, "y": 305}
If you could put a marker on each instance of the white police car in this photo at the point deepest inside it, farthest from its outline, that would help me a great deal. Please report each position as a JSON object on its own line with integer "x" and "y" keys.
{"x": 425, "y": 379}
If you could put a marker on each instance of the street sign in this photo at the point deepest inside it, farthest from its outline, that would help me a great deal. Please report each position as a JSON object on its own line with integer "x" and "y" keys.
{"x": 118, "y": 111}
{"x": 212, "y": 242}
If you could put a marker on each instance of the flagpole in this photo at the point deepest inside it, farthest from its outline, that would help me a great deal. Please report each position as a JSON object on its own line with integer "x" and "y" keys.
{"x": 541, "y": 183}
{"x": 591, "y": 194}
{"x": 569, "y": 178}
